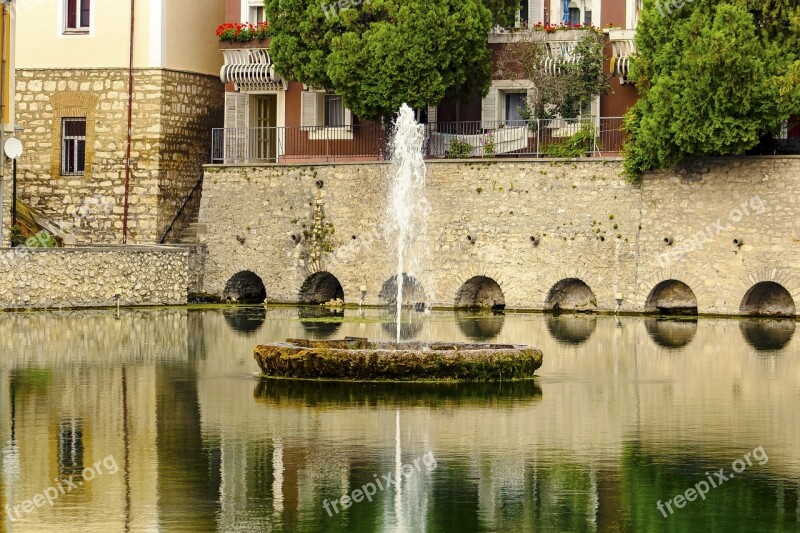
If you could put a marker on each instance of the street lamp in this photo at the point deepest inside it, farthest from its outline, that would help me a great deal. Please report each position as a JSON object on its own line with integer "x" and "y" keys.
{"x": 13, "y": 149}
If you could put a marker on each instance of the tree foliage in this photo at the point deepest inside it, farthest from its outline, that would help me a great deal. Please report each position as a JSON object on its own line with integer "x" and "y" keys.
{"x": 566, "y": 92}
{"x": 714, "y": 77}
{"x": 383, "y": 53}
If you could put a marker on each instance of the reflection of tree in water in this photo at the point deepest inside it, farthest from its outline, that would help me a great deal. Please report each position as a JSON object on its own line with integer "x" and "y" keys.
{"x": 571, "y": 329}
{"x": 410, "y": 327}
{"x": 767, "y": 334}
{"x": 312, "y": 392}
{"x": 671, "y": 333}
{"x": 320, "y": 322}
{"x": 245, "y": 319}
{"x": 480, "y": 326}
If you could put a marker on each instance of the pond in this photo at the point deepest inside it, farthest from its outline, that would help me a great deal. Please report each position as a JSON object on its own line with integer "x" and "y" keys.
{"x": 155, "y": 421}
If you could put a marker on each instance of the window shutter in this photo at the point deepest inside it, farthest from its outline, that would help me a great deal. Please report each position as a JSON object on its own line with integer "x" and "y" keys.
{"x": 489, "y": 109}
{"x": 309, "y": 109}
{"x": 236, "y": 121}
{"x": 536, "y": 11}
{"x": 432, "y": 118}
{"x": 348, "y": 118}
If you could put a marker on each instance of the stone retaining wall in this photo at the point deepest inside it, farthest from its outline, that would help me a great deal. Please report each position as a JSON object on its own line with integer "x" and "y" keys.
{"x": 88, "y": 277}
{"x": 591, "y": 227}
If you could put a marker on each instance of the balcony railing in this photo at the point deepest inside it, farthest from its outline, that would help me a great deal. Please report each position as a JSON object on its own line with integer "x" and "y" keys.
{"x": 601, "y": 136}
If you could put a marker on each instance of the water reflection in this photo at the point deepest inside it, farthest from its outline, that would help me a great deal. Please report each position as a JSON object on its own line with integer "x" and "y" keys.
{"x": 767, "y": 334}
{"x": 671, "y": 333}
{"x": 316, "y": 393}
{"x": 245, "y": 319}
{"x": 410, "y": 327}
{"x": 320, "y": 322}
{"x": 478, "y": 326}
{"x": 609, "y": 428}
{"x": 572, "y": 330}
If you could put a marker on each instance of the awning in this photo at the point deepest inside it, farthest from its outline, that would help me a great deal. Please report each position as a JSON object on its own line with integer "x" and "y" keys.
{"x": 251, "y": 69}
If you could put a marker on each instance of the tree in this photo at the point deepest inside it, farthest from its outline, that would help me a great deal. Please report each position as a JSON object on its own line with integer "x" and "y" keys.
{"x": 383, "y": 53}
{"x": 714, "y": 77}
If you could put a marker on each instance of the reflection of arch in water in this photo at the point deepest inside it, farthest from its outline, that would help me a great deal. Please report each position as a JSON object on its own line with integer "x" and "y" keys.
{"x": 245, "y": 319}
{"x": 671, "y": 297}
{"x": 413, "y": 291}
{"x": 319, "y": 288}
{"x": 245, "y": 287}
{"x": 767, "y": 298}
{"x": 571, "y": 294}
{"x": 480, "y": 327}
{"x": 571, "y": 329}
{"x": 410, "y": 326}
{"x": 767, "y": 334}
{"x": 671, "y": 333}
{"x": 480, "y": 292}
{"x": 320, "y": 322}
{"x": 345, "y": 393}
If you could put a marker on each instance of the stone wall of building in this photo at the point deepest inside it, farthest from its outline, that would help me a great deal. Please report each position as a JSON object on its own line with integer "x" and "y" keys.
{"x": 89, "y": 276}
{"x": 173, "y": 113}
{"x": 540, "y": 229}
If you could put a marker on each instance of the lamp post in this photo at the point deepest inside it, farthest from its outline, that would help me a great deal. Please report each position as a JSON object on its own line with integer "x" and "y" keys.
{"x": 13, "y": 149}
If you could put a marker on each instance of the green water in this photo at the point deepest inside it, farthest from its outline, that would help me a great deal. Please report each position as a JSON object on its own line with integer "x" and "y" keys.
{"x": 158, "y": 417}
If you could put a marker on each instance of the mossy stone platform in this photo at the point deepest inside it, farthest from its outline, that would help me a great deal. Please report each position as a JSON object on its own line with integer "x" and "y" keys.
{"x": 358, "y": 359}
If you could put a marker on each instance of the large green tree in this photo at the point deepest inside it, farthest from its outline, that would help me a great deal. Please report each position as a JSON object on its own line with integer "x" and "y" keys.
{"x": 379, "y": 54}
{"x": 714, "y": 77}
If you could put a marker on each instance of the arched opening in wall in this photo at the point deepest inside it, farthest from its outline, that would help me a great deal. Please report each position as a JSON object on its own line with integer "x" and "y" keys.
{"x": 671, "y": 297}
{"x": 480, "y": 292}
{"x": 767, "y": 298}
{"x": 413, "y": 291}
{"x": 319, "y": 288}
{"x": 571, "y": 294}
{"x": 245, "y": 287}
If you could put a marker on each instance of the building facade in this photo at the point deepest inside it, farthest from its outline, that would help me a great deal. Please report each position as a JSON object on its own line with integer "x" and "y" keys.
{"x": 268, "y": 118}
{"x": 117, "y": 100}
{"x": 6, "y": 100}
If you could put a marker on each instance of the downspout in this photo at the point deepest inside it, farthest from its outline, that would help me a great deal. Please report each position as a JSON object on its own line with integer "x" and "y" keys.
{"x": 3, "y": 82}
{"x": 130, "y": 122}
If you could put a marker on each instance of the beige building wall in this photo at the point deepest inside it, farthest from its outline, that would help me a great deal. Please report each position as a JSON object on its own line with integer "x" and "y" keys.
{"x": 190, "y": 37}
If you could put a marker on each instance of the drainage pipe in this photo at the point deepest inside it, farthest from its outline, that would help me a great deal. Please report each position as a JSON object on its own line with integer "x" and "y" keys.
{"x": 130, "y": 121}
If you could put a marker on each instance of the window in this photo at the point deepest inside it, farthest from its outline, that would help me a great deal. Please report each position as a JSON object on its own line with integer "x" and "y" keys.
{"x": 522, "y": 14}
{"x": 73, "y": 146}
{"x": 334, "y": 111}
{"x": 514, "y": 105}
{"x": 256, "y": 12}
{"x": 77, "y": 15}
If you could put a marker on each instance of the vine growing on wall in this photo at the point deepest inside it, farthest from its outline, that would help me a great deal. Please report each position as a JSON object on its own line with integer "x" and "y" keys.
{"x": 317, "y": 237}
{"x": 566, "y": 77}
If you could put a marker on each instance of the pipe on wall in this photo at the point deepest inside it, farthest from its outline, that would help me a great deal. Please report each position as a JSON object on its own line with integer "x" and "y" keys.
{"x": 130, "y": 133}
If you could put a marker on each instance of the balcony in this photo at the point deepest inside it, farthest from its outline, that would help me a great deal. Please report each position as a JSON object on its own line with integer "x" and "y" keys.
{"x": 623, "y": 46}
{"x": 368, "y": 142}
{"x": 248, "y": 67}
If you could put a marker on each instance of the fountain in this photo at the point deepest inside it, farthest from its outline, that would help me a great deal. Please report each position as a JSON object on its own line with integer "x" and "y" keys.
{"x": 357, "y": 359}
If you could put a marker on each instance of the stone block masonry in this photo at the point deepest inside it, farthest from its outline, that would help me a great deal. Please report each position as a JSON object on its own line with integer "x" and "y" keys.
{"x": 89, "y": 276}
{"x": 173, "y": 114}
{"x": 530, "y": 234}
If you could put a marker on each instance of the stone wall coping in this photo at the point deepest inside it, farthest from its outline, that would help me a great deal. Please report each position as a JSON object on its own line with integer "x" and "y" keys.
{"x": 494, "y": 161}
{"x": 133, "y": 248}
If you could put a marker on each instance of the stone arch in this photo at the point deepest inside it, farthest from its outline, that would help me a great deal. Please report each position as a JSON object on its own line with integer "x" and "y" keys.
{"x": 571, "y": 294}
{"x": 767, "y": 298}
{"x": 245, "y": 287}
{"x": 671, "y": 297}
{"x": 413, "y": 291}
{"x": 319, "y": 288}
{"x": 480, "y": 292}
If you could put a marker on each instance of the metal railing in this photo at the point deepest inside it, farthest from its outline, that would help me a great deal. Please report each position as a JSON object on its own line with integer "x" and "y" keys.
{"x": 583, "y": 137}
